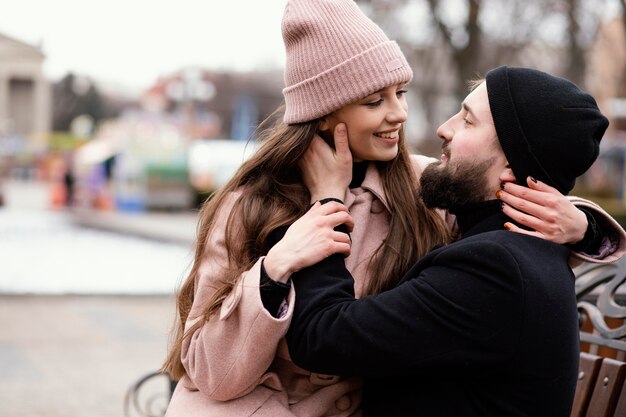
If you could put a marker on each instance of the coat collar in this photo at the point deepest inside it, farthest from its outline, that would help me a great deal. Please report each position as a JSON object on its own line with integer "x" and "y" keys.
{"x": 373, "y": 183}
{"x": 480, "y": 217}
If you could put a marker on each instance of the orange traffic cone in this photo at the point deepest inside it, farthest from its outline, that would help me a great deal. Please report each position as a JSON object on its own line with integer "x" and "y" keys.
{"x": 58, "y": 196}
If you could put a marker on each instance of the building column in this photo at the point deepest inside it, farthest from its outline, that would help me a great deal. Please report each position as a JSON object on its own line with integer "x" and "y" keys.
{"x": 42, "y": 105}
{"x": 4, "y": 104}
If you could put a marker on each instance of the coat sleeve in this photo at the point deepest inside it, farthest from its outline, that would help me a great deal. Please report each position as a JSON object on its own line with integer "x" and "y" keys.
{"x": 444, "y": 315}
{"x": 613, "y": 244}
{"x": 228, "y": 355}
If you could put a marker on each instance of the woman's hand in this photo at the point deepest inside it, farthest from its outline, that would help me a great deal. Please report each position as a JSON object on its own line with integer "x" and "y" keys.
{"x": 544, "y": 209}
{"x": 309, "y": 239}
{"x": 327, "y": 172}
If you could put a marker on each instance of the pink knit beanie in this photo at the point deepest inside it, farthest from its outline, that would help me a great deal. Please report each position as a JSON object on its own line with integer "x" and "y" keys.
{"x": 335, "y": 56}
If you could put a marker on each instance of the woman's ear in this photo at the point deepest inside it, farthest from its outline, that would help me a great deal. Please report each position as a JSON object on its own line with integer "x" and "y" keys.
{"x": 326, "y": 129}
{"x": 325, "y": 125}
{"x": 325, "y": 132}
{"x": 507, "y": 174}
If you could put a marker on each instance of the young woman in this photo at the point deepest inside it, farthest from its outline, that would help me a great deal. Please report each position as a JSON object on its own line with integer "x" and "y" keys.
{"x": 343, "y": 77}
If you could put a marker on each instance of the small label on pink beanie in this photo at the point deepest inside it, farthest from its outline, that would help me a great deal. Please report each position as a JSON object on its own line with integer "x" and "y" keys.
{"x": 394, "y": 64}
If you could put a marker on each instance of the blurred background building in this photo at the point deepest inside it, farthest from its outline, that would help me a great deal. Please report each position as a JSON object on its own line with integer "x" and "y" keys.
{"x": 110, "y": 149}
{"x": 182, "y": 138}
{"x": 24, "y": 101}
{"x": 24, "y": 90}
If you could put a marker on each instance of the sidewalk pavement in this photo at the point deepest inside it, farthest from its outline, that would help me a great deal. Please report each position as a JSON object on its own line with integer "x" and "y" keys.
{"x": 78, "y": 355}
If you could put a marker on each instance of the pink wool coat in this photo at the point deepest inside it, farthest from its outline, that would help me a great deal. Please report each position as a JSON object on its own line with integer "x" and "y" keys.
{"x": 238, "y": 364}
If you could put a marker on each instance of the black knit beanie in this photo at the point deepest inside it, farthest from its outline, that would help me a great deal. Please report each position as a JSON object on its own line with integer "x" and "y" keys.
{"x": 548, "y": 128}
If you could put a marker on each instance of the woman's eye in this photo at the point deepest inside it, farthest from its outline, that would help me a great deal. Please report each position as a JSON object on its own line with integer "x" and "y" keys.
{"x": 401, "y": 92}
{"x": 466, "y": 122}
{"x": 374, "y": 103}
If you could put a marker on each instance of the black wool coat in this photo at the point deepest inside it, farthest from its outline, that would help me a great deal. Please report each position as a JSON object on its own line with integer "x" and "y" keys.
{"x": 486, "y": 326}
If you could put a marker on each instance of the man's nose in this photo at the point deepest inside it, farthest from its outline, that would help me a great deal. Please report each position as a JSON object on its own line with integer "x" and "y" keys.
{"x": 445, "y": 131}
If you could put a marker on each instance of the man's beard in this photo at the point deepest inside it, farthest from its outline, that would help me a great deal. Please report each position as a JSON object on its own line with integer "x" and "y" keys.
{"x": 455, "y": 184}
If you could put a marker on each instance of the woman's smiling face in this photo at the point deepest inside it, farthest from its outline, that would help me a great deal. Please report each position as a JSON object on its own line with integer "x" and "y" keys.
{"x": 373, "y": 124}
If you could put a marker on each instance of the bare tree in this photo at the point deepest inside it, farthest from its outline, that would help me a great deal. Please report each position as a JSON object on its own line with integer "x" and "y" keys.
{"x": 622, "y": 86}
{"x": 448, "y": 42}
{"x": 465, "y": 53}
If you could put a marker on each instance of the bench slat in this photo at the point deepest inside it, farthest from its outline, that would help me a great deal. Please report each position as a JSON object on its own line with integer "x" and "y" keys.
{"x": 620, "y": 410}
{"x": 608, "y": 387}
{"x": 587, "y": 373}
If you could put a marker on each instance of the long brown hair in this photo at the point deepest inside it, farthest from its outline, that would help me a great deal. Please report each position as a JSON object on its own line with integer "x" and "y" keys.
{"x": 413, "y": 228}
{"x": 274, "y": 195}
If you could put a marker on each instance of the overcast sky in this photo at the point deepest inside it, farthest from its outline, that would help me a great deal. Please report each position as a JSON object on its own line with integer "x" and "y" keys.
{"x": 133, "y": 42}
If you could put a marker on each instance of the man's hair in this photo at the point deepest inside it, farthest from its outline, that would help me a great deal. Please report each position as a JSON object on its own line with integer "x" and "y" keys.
{"x": 474, "y": 83}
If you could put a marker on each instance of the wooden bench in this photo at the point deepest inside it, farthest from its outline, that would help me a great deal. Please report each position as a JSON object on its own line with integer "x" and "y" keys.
{"x": 600, "y": 391}
{"x": 601, "y": 295}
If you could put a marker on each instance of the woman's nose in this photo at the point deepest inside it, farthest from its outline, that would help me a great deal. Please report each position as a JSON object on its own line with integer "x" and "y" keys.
{"x": 398, "y": 113}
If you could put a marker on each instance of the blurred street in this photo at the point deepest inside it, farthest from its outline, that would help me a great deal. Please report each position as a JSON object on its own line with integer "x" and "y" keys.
{"x": 48, "y": 252}
{"x": 84, "y": 312}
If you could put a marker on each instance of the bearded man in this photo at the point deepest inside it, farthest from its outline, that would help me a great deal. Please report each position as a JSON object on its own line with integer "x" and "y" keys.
{"x": 485, "y": 326}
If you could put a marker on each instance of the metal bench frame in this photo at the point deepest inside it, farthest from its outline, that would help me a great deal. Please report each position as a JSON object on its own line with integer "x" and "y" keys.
{"x": 601, "y": 295}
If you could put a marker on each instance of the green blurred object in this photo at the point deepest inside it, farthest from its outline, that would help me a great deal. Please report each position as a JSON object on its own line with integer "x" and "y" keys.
{"x": 168, "y": 187}
{"x": 64, "y": 141}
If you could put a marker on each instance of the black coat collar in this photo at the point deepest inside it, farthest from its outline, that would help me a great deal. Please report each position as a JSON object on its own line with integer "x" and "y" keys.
{"x": 480, "y": 217}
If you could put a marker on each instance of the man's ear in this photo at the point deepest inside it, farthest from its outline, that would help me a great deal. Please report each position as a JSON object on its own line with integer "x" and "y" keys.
{"x": 507, "y": 174}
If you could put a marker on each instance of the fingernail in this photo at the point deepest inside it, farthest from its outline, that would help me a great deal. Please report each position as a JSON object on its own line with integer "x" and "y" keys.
{"x": 507, "y": 226}
{"x": 533, "y": 180}
{"x": 341, "y": 128}
{"x": 499, "y": 194}
{"x": 501, "y": 204}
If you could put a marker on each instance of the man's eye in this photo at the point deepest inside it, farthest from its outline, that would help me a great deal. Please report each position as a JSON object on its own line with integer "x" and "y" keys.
{"x": 401, "y": 92}
{"x": 467, "y": 122}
